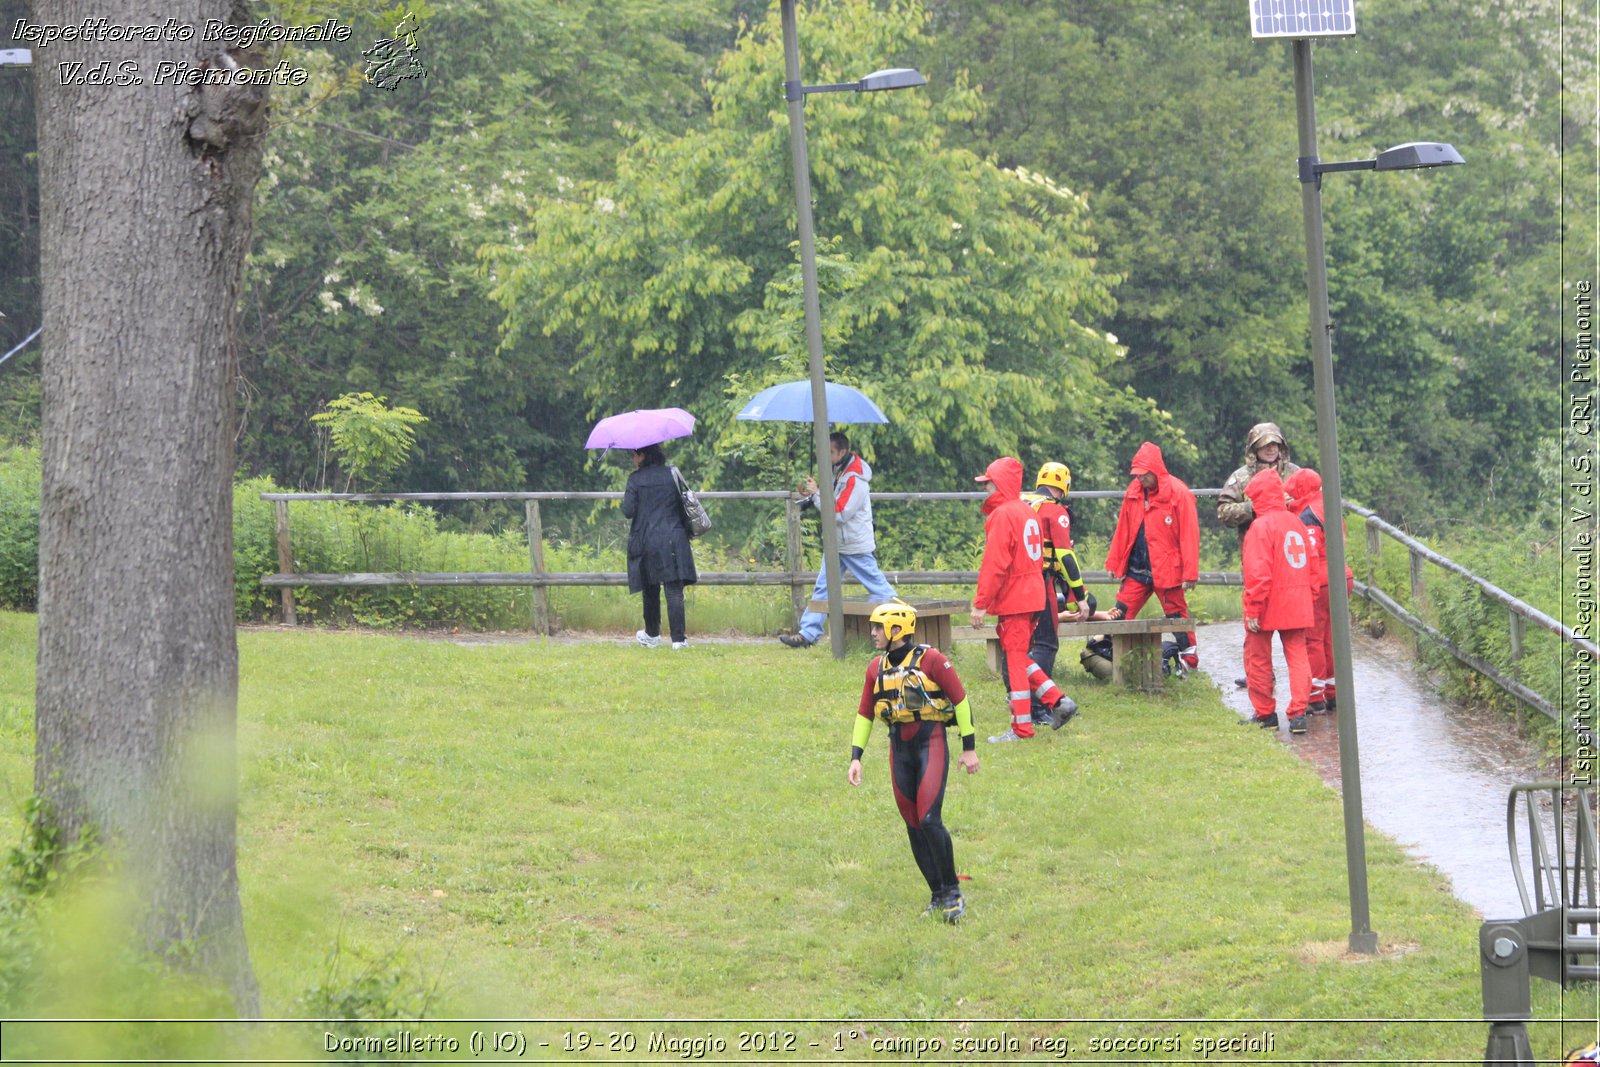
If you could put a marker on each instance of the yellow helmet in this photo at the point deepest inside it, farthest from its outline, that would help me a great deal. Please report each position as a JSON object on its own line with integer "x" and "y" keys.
{"x": 1055, "y": 474}
{"x": 897, "y": 618}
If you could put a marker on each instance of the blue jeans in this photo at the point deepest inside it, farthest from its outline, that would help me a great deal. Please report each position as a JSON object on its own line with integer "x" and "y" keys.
{"x": 865, "y": 568}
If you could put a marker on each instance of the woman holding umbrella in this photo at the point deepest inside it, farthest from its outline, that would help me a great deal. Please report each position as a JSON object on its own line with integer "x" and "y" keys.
{"x": 658, "y": 545}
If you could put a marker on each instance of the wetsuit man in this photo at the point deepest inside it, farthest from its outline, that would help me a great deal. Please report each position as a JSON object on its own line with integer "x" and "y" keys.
{"x": 916, "y": 692}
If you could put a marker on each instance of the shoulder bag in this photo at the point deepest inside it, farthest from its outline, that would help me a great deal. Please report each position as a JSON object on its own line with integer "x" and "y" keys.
{"x": 693, "y": 511}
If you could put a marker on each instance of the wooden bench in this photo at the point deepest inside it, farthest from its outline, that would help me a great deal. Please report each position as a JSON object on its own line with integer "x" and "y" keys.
{"x": 933, "y": 618}
{"x": 1135, "y": 647}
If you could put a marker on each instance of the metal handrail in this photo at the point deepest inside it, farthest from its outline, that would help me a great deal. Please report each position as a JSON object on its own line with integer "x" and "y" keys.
{"x": 1494, "y": 592}
{"x": 1519, "y": 612}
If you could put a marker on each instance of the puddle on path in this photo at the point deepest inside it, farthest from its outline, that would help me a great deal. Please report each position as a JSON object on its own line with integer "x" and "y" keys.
{"x": 1434, "y": 776}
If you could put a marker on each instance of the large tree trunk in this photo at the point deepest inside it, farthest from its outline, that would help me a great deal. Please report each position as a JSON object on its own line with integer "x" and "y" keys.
{"x": 145, "y": 195}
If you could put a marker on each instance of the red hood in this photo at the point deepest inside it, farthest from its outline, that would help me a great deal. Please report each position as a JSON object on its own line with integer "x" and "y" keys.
{"x": 1303, "y": 486}
{"x": 1148, "y": 457}
{"x": 1006, "y": 474}
{"x": 1266, "y": 492}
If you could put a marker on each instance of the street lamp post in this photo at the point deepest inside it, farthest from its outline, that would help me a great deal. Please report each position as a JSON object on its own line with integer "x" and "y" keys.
{"x": 1402, "y": 157}
{"x": 795, "y": 94}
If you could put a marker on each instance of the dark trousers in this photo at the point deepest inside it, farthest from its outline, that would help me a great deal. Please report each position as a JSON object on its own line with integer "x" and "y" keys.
{"x": 652, "y": 610}
{"x": 919, "y": 763}
{"x": 1046, "y": 643}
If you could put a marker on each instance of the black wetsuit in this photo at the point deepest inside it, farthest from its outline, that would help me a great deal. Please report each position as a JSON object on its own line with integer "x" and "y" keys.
{"x": 919, "y": 754}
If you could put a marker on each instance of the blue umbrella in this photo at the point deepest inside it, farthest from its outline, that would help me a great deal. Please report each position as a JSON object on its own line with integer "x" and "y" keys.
{"x": 791, "y": 402}
{"x": 636, "y": 429}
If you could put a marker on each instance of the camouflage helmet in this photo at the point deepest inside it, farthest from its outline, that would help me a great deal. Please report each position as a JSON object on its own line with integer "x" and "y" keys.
{"x": 1264, "y": 433}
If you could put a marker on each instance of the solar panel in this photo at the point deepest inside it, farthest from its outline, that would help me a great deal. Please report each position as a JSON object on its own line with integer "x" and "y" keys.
{"x": 1302, "y": 18}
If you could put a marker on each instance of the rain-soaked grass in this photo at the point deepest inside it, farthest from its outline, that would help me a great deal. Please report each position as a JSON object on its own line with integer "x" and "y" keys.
{"x": 598, "y": 831}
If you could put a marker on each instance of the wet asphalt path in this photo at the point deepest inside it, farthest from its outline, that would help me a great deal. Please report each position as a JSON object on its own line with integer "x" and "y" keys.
{"x": 1434, "y": 776}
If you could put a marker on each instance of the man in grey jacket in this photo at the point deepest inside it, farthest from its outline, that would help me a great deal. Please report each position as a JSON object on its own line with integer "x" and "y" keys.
{"x": 852, "y": 503}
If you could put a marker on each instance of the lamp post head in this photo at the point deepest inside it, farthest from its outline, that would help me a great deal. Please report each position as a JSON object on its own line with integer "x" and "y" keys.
{"x": 895, "y": 78}
{"x": 1417, "y": 155}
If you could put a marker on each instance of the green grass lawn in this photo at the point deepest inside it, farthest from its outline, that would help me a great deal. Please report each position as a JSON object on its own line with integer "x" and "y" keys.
{"x": 597, "y": 831}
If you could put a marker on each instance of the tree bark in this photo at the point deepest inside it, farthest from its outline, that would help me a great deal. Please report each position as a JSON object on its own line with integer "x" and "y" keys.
{"x": 145, "y": 195}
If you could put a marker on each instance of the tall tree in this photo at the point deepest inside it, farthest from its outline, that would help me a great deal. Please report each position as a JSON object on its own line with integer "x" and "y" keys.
{"x": 365, "y": 276}
{"x": 963, "y": 294}
{"x": 145, "y": 193}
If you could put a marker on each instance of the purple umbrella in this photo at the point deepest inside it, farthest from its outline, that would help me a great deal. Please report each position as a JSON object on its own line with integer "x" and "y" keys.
{"x": 645, "y": 426}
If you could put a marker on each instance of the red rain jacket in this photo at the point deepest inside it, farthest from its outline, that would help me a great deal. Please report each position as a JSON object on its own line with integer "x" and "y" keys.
{"x": 1304, "y": 487}
{"x": 1011, "y": 576}
{"x": 1277, "y": 559}
{"x": 1170, "y": 521}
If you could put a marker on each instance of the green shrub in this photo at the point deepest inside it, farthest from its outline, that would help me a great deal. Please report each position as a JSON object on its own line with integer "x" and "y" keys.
{"x": 255, "y": 547}
{"x": 19, "y": 528}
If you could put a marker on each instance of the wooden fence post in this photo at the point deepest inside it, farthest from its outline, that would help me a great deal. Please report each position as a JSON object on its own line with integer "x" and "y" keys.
{"x": 1419, "y": 592}
{"x": 1517, "y": 623}
{"x": 1374, "y": 549}
{"x": 541, "y": 593}
{"x": 797, "y": 596}
{"x": 280, "y": 510}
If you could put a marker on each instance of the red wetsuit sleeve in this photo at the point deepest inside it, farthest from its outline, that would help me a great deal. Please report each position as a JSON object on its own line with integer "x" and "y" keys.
{"x": 865, "y": 709}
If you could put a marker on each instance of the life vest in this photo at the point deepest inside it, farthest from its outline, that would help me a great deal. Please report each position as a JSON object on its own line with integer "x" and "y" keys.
{"x": 904, "y": 694}
{"x": 1061, "y": 565}
{"x": 1053, "y": 563}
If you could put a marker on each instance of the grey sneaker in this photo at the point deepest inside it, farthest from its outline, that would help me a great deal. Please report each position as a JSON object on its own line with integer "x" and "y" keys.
{"x": 679, "y": 646}
{"x": 953, "y": 908}
{"x": 1009, "y": 735}
{"x": 646, "y": 640}
{"x": 795, "y": 641}
{"x": 1065, "y": 711}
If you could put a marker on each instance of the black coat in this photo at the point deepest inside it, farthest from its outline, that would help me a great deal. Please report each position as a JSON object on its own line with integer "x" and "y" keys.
{"x": 658, "y": 544}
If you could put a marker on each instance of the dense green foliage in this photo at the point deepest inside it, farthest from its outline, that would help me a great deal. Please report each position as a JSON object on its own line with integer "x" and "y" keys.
{"x": 1180, "y": 130}
{"x": 1072, "y": 171}
{"x": 19, "y": 245}
{"x": 364, "y": 276}
{"x": 964, "y": 297}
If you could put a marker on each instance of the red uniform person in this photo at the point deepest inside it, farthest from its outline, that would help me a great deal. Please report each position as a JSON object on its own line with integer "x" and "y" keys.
{"x": 1156, "y": 546}
{"x": 1304, "y": 487}
{"x": 1277, "y": 599}
{"x": 1011, "y": 587}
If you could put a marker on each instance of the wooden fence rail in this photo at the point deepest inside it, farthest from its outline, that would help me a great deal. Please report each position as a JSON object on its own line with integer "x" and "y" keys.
{"x": 799, "y": 578}
{"x": 796, "y": 576}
